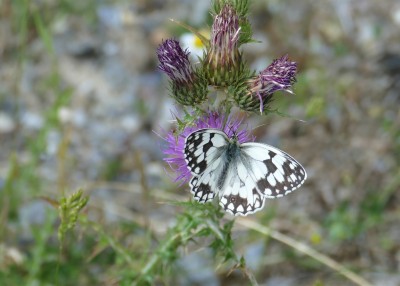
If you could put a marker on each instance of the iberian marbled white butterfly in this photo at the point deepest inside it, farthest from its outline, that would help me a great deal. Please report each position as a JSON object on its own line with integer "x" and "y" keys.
{"x": 243, "y": 175}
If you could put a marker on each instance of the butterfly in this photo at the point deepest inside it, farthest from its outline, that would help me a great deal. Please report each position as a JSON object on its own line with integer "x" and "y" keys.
{"x": 241, "y": 175}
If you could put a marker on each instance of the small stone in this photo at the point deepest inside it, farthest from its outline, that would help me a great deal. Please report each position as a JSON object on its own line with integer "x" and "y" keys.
{"x": 7, "y": 124}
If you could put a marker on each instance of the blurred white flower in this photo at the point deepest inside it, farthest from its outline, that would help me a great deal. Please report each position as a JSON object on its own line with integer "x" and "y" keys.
{"x": 193, "y": 44}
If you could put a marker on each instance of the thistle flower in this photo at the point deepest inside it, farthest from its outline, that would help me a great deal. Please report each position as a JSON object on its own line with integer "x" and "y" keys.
{"x": 223, "y": 62}
{"x": 187, "y": 85}
{"x": 176, "y": 144}
{"x": 256, "y": 93}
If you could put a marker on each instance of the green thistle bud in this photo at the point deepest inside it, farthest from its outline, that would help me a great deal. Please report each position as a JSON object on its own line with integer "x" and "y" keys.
{"x": 223, "y": 62}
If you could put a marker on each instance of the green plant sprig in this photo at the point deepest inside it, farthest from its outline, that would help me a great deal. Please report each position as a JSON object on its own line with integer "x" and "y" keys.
{"x": 197, "y": 221}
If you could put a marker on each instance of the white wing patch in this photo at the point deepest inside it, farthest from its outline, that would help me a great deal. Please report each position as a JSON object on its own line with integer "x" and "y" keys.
{"x": 241, "y": 175}
{"x": 239, "y": 195}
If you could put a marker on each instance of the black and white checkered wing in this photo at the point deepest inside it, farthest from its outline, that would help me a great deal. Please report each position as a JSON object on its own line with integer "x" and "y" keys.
{"x": 203, "y": 147}
{"x": 241, "y": 175}
{"x": 260, "y": 171}
{"x": 203, "y": 150}
{"x": 239, "y": 194}
{"x": 275, "y": 172}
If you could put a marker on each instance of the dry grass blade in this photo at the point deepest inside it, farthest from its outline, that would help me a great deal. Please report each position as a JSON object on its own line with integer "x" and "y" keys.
{"x": 304, "y": 249}
{"x": 203, "y": 39}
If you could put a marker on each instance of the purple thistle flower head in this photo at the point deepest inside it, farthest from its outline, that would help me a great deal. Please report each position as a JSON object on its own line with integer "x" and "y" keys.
{"x": 176, "y": 145}
{"x": 280, "y": 75}
{"x": 225, "y": 33}
{"x": 188, "y": 88}
{"x": 174, "y": 61}
{"x": 256, "y": 93}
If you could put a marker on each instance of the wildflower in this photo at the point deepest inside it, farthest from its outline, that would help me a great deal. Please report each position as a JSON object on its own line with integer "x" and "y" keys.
{"x": 187, "y": 85}
{"x": 194, "y": 44}
{"x": 176, "y": 144}
{"x": 223, "y": 62}
{"x": 256, "y": 93}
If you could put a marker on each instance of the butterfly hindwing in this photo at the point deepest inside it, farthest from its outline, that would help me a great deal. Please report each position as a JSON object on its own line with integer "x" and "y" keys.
{"x": 239, "y": 195}
{"x": 237, "y": 205}
{"x": 202, "y": 192}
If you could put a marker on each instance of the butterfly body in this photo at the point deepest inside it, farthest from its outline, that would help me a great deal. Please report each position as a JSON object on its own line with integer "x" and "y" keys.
{"x": 230, "y": 154}
{"x": 242, "y": 175}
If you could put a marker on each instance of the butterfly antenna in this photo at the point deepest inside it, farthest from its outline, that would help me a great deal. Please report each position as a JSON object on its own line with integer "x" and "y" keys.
{"x": 280, "y": 113}
{"x": 258, "y": 126}
{"x": 232, "y": 131}
{"x": 229, "y": 128}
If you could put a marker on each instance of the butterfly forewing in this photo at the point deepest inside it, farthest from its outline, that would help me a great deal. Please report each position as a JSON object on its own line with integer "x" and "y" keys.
{"x": 202, "y": 147}
{"x": 203, "y": 150}
{"x": 275, "y": 172}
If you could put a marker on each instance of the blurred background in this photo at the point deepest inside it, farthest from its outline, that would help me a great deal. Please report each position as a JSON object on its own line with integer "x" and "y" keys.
{"x": 82, "y": 105}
